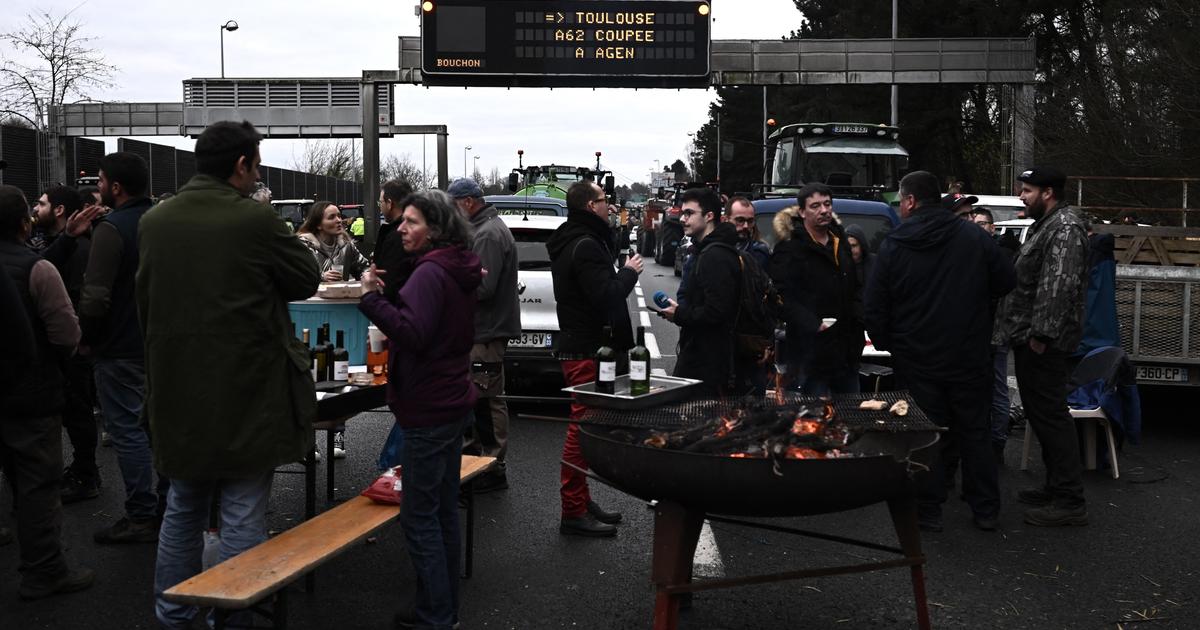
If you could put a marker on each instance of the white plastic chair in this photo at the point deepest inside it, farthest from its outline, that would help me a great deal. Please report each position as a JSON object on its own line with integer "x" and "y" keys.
{"x": 1091, "y": 418}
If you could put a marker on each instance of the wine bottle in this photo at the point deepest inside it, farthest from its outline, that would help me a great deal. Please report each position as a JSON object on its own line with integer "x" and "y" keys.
{"x": 341, "y": 359}
{"x": 639, "y": 365}
{"x": 320, "y": 373}
{"x": 312, "y": 356}
{"x": 606, "y": 365}
{"x": 328, "y": 350}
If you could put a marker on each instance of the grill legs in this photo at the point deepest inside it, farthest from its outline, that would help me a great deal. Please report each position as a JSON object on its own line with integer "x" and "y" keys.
{"x": 676, "y": 532}
{"x": 904, "y": 518}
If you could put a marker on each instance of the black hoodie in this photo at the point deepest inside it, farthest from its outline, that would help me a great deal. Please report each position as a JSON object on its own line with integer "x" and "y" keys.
{"x": 928, "y": 300}
{"x": 589, "y": 292}
{"x": 706, "y": 344}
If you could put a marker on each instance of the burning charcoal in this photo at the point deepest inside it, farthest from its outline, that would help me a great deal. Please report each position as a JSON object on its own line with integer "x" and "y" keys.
{"x": 806, "y": 426}
{"x": 656, "y": 440}
{"x": 836, "y": 435}
{"x": 795, "y": 452}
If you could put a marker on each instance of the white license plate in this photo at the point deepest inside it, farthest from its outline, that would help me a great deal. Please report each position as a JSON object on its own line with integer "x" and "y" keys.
{"x": 532, "y": 340}
{"x": 1162, "y": 373}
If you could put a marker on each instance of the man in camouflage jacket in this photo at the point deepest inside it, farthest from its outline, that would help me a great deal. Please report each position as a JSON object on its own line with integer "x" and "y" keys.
{"x": 1044, "y": 321}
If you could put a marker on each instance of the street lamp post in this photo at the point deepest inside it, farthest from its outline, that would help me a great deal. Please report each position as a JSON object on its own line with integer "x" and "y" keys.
{"x": 475, "y": 166}
{"x": 230, "y": 26}
{"x": 465, "y": 150}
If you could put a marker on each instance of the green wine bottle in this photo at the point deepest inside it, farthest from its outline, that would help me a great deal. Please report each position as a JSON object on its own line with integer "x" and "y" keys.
{"x": 639, "y": 365}
{"x": 606, "y": 365}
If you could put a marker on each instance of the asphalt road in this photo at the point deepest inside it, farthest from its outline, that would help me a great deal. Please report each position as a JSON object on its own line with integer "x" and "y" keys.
{"x": 1135, "y": 565}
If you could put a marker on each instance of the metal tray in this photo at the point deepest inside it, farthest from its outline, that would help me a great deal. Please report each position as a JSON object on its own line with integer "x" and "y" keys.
{"x": 663, "y": 390}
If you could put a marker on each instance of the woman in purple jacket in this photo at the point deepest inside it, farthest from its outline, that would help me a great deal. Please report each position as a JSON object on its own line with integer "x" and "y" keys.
{"x": 430, "y": 329}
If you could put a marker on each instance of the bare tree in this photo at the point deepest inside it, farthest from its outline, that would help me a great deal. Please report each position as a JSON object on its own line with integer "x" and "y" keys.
{"x": 336, "y": 159}
{"x": 401, "y": 167}
{"x": 49, "y": 61}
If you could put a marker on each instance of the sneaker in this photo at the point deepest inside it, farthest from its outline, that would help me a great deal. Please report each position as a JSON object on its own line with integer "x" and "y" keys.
{"x": 1056, "y": 516}
{"x": 71, "y": 581}
{"x": 128, "y": 531}
{"x": 1035, "y": 496}
{"x": 339, "y": 444}
{"x": 75, "y": 488}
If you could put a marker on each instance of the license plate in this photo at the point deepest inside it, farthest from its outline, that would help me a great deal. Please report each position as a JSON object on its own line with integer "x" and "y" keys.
{"x": 1162, "y": 373}
{"x": 532, "y": 340}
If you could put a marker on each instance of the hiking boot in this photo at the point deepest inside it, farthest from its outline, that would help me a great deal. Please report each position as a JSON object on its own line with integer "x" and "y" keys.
{"x": 612, "y": 518}
{"x": 1035, "y": 496}
{"x": 69, "y": 582}
{"x": 339, "y": 444}
{"x": 75, "y": 488}
{"x": 586, "y": 525}
{"x": 127, "y": 531}
{"x": 1056, "y": 516}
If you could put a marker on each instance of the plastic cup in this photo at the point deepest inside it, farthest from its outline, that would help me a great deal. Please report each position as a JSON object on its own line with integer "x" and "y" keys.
{"x": 376, "y": 339}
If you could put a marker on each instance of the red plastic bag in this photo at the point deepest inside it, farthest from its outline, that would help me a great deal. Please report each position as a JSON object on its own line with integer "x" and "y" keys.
{"x": 387, "y": 488}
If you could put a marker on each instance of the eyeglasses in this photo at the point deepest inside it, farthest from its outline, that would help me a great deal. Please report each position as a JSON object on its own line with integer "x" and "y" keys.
{"x": 743, "y": 220}
{"x": 600, "y": 200}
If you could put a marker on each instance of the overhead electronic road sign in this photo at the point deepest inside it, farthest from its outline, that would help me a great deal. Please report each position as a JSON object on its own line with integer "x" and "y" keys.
{"x": 570, "y": 43}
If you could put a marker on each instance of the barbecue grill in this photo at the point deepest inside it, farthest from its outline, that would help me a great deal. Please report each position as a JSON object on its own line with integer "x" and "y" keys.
{"x": 875, "y": 467}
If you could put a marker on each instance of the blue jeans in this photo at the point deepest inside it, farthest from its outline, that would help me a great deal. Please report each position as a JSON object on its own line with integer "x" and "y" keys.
{"x": 121, "y": 388}
{"x": 431, "y": 457}
{"x": 243, "y": 524}
{"x": 1000, "y": 395}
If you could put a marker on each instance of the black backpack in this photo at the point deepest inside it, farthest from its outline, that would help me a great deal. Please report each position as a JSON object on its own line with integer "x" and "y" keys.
{"x": 759, "y": 308}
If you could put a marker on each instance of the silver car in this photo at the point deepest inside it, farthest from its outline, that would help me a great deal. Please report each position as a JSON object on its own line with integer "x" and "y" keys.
{"x": 529, "y": 361}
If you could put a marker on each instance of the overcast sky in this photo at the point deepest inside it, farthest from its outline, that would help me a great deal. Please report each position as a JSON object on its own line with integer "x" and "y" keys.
{"x": 156, "y": 45}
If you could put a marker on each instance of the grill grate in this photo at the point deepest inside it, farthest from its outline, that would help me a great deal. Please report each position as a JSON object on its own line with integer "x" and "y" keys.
{"x": 692, "y": 413}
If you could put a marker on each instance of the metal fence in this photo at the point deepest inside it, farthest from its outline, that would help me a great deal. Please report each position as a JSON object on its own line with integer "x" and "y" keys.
{"x": 170, "y": 168}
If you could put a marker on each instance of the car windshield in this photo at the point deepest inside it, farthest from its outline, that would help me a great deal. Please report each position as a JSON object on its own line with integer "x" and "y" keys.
{"x": 849, "y": 169}
{"x": 876, "y": 227}
{"x": 531, "y": 249}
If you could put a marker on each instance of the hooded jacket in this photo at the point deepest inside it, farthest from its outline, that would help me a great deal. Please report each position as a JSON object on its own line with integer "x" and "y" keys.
{"x": 706, "y": 319}
{"x": 589, "y": 292}
{"x": 867, "y": 263}
{"x": 929, "y": 299}
{"x": 1052, "y": 277}
{"x": 430, "y": 330}
{"x": 816, "y": 282}
{"x": 499, "y": 312}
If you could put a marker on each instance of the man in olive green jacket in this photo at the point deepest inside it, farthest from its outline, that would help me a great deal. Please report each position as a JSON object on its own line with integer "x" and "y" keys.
{"x": 229, "y": 395}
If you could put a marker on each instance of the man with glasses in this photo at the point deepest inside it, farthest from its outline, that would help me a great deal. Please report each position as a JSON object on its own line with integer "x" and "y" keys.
{"x": 741, "y": 213}
{"x": 589, "y": 296}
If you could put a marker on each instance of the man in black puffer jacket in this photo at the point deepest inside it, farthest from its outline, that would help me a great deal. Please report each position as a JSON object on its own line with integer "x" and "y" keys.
{"x": 928, "y": 302}
{"x": 707, "y": 348}
{"x": 589, "y": 294}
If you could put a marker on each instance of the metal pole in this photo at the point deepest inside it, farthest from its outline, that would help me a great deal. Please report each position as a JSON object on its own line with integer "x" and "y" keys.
{"x": 222, "y": 51}
{"x": 895, "y": 88}
{"x": 718, "y": 149}
{"x": 1185, "y": 203}
{"x": 443, "y": 160}
{"x": 370, "y": 133}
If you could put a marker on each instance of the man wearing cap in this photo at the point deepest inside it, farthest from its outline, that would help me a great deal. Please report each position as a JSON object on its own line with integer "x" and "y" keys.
{"x": 1044, "y": 320}
{"x": 960, "y": 205}
{"x": 497, "y": 319}
{"x": 928, "y": 301}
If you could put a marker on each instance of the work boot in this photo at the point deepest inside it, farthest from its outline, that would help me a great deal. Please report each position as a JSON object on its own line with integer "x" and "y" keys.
{"x": 1035, "y": 496}
{"x": 69, "y": 582}
{"x": 75, "y": 488}
{"x": 1056, "y": 516}
{"x": 127, "y": 531}
{"x": 612, "y": 518}
{"x": 586, "y": 525}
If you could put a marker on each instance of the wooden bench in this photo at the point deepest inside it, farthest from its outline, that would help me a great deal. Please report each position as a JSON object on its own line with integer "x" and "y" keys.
{"x": 243, "y": 581}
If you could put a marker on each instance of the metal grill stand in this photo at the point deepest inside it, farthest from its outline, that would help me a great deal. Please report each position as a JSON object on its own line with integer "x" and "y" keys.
{"x": 677, "y": 531}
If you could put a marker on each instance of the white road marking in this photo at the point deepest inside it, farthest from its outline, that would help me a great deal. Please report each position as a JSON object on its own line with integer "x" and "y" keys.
{"x": 638, "y": 291}
{"x": 641, "y": 302}
{"x": 658, "y": 371}
{"x": 645, "y": 315}
{"x": 707, "y": 562}
{"x": 652, "y": 344}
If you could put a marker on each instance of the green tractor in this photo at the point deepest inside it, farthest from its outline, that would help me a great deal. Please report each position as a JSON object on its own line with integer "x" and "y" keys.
{"x": 553, "y": 180}
{"x": 856, "y": 160}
